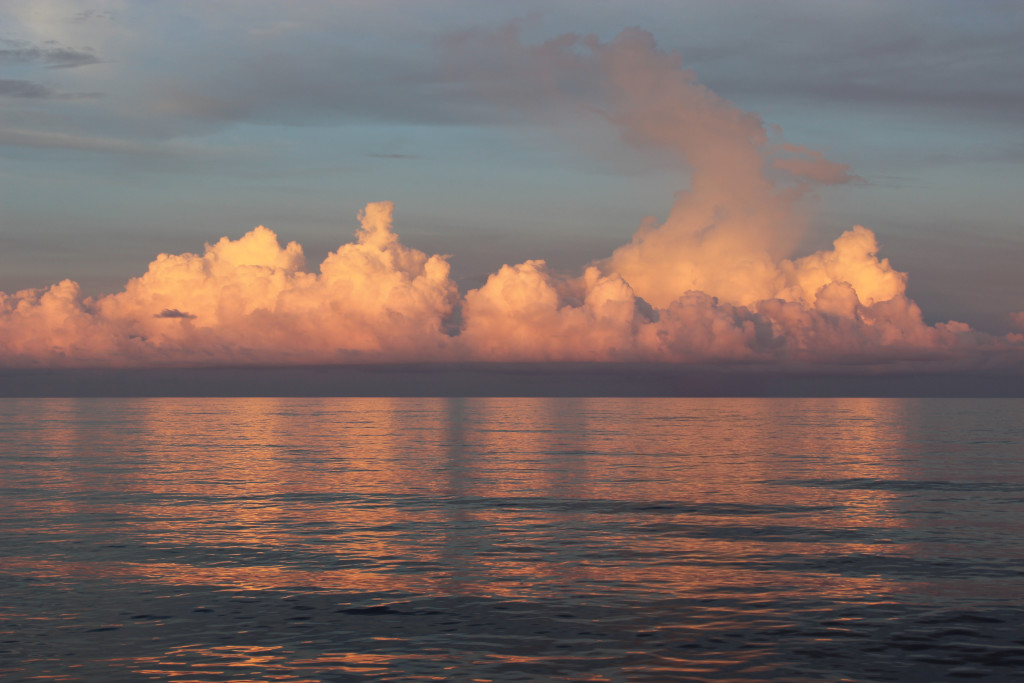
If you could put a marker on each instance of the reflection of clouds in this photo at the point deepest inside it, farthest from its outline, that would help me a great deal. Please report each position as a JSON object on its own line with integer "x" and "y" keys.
{"x": 277, "y": 662}
{"x": 337, "y": 525}
{"x": 956, "y": 491}
{"x": 481, "y": 496}
{"x": 841, "y": 439}
{"x": 527, "y": 578}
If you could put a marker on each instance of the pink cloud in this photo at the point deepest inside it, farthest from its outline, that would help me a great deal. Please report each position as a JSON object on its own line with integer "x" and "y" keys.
{"x": 714, "y": 282}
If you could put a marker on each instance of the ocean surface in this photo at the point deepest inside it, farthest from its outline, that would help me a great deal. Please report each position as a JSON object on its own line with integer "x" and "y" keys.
{"x": 511, "y": 539}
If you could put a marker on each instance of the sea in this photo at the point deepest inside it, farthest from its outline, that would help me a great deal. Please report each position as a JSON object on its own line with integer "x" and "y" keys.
{"x": 511, "y": 539}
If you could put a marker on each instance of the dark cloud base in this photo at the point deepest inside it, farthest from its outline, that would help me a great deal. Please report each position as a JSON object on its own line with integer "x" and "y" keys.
{"x": 501, "y": 379}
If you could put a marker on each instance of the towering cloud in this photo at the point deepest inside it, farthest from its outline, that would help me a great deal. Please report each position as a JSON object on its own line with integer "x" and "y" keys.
{"x": 711, "y": 282}
{"x": 715, "y": 281}
{"x": 246, "y": 300}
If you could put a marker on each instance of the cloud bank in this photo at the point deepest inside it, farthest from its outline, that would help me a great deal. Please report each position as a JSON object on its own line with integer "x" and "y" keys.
{"x": 713, "y": 282}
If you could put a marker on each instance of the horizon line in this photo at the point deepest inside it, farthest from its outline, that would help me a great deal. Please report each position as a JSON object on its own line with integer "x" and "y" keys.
{"x": 538, "y": 380}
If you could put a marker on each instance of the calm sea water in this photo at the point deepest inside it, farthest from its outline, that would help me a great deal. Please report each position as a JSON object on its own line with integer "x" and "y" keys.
{"x": 511, "y": 539}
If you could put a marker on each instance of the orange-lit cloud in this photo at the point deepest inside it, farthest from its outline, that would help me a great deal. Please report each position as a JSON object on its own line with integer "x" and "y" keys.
{"x": 250, "y": 301}
{"x": 246, "y": 300}
{"x": 714, "y": 281}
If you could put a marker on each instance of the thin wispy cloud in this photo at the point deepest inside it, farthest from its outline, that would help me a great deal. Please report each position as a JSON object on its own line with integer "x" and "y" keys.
{"x": 392, "y": 156}
{"x": 52, "y": 56}
{"x": 20, "y": 88}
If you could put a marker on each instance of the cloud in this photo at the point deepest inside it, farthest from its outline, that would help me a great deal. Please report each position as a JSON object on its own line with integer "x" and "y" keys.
{"x": 360, "y": 63}
{"x": 811, "y": 164}
{"x": 247, "y": 300}
{"x": 53, "y": 56}
{"x": 392, "y": 156}
{"x": 839, "y": 304}
{"x": 714, "y": 282}
{"x": 90, "y": 15}
{"x": 250, "y": 301}
{"x": 317, "y": 85}
{"x": 375, "y": 300}
{"x": 20, "y": 137}
{"x": 711, "y": 282}
{"x": 174, "y": 313}
{"x": 20, "y": 88}
{"x": 960, "y": 62}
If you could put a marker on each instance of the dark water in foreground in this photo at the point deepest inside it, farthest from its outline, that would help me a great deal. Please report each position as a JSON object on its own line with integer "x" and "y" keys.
{"x": 511, "y": 539}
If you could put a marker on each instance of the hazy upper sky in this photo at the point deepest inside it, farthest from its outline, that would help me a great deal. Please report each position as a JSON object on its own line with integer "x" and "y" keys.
{"x": 132, "y": 128}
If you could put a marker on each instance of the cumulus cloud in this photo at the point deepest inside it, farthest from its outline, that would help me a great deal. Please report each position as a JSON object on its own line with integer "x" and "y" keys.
{"x": 835, "y": 305}
{"x": 245, "y": 300}
{"x": 715, "y": 281}
{"x": 250, "y": 300}
{"x": 711, "y": 282}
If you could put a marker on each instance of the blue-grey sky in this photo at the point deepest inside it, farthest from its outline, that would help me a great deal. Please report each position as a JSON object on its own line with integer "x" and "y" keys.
{"x": 130, "y": 128}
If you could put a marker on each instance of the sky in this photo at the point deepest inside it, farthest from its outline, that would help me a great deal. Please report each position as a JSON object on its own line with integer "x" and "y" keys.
{"x": 748, "y": 182}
